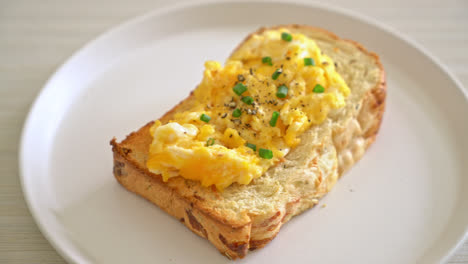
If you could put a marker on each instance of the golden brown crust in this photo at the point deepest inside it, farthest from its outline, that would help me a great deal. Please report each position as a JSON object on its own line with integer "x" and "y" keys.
{"x": 256, "y": 244}
{"x": 143, "y": 133}
{"x": 232, "y": 241}
{"x": 231, "y": 236}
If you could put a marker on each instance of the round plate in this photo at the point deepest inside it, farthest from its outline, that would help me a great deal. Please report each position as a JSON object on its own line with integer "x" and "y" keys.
{"x": 404, "y": 202}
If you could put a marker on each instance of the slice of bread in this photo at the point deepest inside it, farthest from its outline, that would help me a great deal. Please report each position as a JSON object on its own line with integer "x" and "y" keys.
{"x": 244, "y": 217}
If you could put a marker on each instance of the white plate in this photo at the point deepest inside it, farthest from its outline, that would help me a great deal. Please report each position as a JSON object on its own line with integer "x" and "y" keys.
{"x": 405, "y": 202}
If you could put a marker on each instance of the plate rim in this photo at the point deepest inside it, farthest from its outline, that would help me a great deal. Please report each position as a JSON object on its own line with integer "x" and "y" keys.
{"x": 175, "y": 7}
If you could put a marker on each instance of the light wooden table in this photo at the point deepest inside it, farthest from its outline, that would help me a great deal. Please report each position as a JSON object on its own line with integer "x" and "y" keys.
{"x": 37, "y": 36}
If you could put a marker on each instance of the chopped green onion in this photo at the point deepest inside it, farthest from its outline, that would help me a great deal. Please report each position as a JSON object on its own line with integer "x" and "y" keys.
{"x": 248, "y": 100}
{"x": 252, "y": 146}
{"x": 282, "y": 91}
{"x": 274, "y": 118}
{"x": 265, "y": 153}
{"x": 309, "y": 62}
{"x": 286, "y": 37}
{"x": 210, "y": 142}
{"x": 318, "y": 89}
{"x": 276, "y": 74}
{"x": 205, "y": 118}
{"x": 267, "y": 60}
{"x": 237, "y": 112}
{"x": 239, "y": 88}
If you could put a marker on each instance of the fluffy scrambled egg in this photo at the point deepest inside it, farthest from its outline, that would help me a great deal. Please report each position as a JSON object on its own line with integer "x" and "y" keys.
{"x": 248, "y": 114}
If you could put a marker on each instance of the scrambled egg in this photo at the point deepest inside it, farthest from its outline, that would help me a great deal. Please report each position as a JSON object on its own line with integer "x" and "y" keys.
{"x": 248, "y": 114}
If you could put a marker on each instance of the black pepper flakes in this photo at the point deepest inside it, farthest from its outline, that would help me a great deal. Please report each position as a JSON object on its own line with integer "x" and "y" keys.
{"x": 240, "y": 77}
{"x": 324, "y": 63}
{"x": 288, "y": 58}
{"x": 336, "y": 65}
{"x": 224, "y": 115}
{"x": 236, "y": 121}
{"x": 251, "y": 71}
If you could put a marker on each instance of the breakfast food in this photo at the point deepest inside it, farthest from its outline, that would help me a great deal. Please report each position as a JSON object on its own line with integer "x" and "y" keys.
{"x": 261, "y": 139}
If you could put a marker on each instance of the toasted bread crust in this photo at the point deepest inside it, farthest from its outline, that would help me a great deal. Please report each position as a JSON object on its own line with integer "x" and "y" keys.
{"x": 235, "y": 236}
{"x": 233, "y": 241}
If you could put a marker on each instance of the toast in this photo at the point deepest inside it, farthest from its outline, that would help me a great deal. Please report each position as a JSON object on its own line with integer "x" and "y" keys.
{"x": 247, "y": 217}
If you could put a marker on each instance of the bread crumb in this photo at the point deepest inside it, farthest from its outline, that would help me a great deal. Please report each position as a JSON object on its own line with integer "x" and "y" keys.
{"x": 324, "y": 205}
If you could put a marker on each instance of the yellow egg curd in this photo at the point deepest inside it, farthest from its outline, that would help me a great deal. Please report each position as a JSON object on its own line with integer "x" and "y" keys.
{"x": 247, "y": 115}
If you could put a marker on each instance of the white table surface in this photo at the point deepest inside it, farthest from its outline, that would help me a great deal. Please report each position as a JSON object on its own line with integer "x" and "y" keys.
{"x": 36, "y": 37}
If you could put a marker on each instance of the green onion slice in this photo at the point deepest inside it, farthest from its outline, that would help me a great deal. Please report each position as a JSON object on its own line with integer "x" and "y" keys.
{"x": 274, "y": 118}
{"x": 318, "y": 89}
{"x": 237, "y": 112}
{"x": 248, "y": 100}
{"x": 309, "y": 62}
{"x": 276, "y": 74}
{"x": 286, "y": 37}
{"x": 205, "y": 118}
{"x": 282, "y": 91}
{"x": 265, "y": 153}
{"x": 210, "y": 142}
{"x": 267, "y": 60}
{"x": 252, "y": 146}
{"x": 239, "y": 88}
